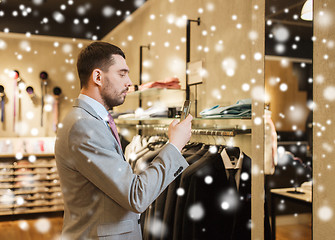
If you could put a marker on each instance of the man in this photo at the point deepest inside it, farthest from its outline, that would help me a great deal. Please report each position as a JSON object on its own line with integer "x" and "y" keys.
{"x": 102, "y": 195}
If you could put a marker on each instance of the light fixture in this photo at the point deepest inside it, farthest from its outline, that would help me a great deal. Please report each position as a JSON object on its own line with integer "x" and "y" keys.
{"x": 307, "y": 11}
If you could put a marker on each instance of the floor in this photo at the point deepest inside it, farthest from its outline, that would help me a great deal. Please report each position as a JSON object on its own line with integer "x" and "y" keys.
{"x": 32, "y": 229}
{"x": 50, "y": 228}
{"x": 296, "y": 232}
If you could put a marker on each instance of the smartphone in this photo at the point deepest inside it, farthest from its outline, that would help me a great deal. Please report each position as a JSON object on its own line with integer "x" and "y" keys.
{"x": 186, "y": 110}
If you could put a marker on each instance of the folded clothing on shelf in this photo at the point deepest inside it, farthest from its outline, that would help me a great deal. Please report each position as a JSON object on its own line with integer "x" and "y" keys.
{"x": 118, "y": 115}
{"x": 52, "y": 176}
{"x": 22, "y": 163}
{"x": 6, "y": 193}
{"x": 41, "y": 170}
{"x": 56, "y": 201}
{"x": 56, "y": 195}
{"x": 170, "y": 83}
{"x": 53, "y": 169}
{"x": 45, "y": 162}
{"x": 6, "y": 208}
{"x": 126, "y": 115}
{"x": 40, "y": 201}
{"x": 55, "y": 189}
{"x": 6, "y": 185}
{"x": 5, "y": 171}
{"x": 154, "y": 111}
{"x": 242, "y": 109}
{"x": 41, "y": 195}
{"x": 40, "y": 189}
{"x": 7, "y": 198}
{"x": 21, "y": 209}
{"x": 157, "y": 111}
{"x": 5, "y": 164}
{"x": 24, "y": 171}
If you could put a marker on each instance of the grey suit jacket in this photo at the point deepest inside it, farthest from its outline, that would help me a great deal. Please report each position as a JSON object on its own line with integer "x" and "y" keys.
{"x": 102, "y": 195}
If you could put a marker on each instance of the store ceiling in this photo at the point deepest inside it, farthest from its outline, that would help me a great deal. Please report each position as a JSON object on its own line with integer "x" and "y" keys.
{"x": 85, "y": 19}
{"x": 90, "y": 19}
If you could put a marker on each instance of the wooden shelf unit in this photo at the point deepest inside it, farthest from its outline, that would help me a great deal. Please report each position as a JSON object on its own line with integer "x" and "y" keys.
{"x": 29, "y": 187}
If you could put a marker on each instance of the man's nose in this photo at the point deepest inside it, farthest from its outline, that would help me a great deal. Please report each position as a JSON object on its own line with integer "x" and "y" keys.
{"x": 129, "y": 82}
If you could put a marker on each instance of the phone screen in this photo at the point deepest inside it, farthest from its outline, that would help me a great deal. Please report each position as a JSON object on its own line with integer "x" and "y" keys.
{"x": 186, "y": 110}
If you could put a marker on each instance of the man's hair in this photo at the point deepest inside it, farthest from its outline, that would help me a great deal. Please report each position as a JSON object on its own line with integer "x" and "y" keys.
{"x": 96, "y": 55}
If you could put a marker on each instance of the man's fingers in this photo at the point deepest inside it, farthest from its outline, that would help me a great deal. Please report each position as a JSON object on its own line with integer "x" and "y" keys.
{"x": 188, "y": 118}
{"x": 174, "y": 122}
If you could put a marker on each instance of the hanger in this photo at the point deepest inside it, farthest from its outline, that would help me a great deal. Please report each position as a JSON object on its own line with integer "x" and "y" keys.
{"x": 153, "y": 145}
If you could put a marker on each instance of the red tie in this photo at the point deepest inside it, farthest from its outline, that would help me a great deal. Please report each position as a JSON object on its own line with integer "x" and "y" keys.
{"x": 112, "y": 125}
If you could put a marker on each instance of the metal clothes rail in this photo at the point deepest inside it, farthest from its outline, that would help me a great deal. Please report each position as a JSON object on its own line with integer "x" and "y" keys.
{"x": 231, "y": 132}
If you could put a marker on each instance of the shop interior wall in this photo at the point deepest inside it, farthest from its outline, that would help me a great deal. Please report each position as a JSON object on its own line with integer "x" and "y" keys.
{"x": 324, "y": 119}
{"x": 30, "y": 56}
{"x": 229, "y": 42}
{"x": 223, "y": 42}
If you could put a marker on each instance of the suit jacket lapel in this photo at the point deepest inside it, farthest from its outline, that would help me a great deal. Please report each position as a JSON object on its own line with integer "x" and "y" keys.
{"x": 82, "y": 104}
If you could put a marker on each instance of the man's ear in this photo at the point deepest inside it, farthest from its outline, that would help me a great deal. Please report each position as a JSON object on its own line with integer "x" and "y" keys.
{"x": 97, "y": 77}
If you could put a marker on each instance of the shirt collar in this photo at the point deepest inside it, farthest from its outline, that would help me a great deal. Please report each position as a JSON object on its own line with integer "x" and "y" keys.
{"x": 228, "y": 164}
{"x": 98, "y": 107}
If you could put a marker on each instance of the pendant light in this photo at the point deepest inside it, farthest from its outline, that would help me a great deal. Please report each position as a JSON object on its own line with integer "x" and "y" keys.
{"x": 307, "y": 11}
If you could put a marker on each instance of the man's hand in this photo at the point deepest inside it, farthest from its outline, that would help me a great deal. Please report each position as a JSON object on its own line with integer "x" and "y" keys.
{"x": 180, "y": 132}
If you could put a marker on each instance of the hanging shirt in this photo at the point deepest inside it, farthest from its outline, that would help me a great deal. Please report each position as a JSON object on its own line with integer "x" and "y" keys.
{"x": 229, "y": 165}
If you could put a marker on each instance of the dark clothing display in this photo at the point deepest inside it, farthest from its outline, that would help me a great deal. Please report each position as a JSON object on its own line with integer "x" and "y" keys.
{"x": 226, "y": 213}
{"x": 209, "y": 200}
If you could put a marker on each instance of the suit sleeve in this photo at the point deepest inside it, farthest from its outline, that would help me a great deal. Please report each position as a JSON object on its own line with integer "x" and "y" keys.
{"x": 95, "y": 156}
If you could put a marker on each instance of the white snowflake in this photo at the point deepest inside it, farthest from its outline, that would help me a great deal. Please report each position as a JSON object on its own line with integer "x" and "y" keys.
{"x": 196, "y": 212}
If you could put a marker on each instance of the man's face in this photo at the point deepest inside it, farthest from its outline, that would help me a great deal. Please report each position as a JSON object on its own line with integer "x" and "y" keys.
{"x": 116, "y": 83}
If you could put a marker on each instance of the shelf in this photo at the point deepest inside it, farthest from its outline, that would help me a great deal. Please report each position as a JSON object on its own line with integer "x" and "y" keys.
{"x": 35, "y": 182}
{"x": 6, "y": 213}
{"x": 35, "y": 166}
{"x": 37, "y": 210}
{"x": 307, "y": 196}
{"x": 194, "y": 119}
{"x": 33, "y": 173}
{"x": 236, "y": 125}
{"x": 6, "y": 173}
{"x": 223, "y": 118}
{"x": 22, "y": 192}
{"x": 42, "y": 198}
{"x": 6, "y": 180}
{"x": 291, "y": 59}
{"x": 222, "y": 123}
{"x": 134, "y": 121}
{"x": 4, "y": 206}
{"x": 154, "y": 91}
{"x": 6, "y": 166}
{"x": 47, "y": 204}
{"x": 12, "y": 155}
{"x": 37, "y": 185}
{"x": 35, "y": 178}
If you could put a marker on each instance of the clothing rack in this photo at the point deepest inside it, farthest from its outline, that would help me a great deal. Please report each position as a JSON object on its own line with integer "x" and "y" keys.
{"x": 230, "y": 132}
